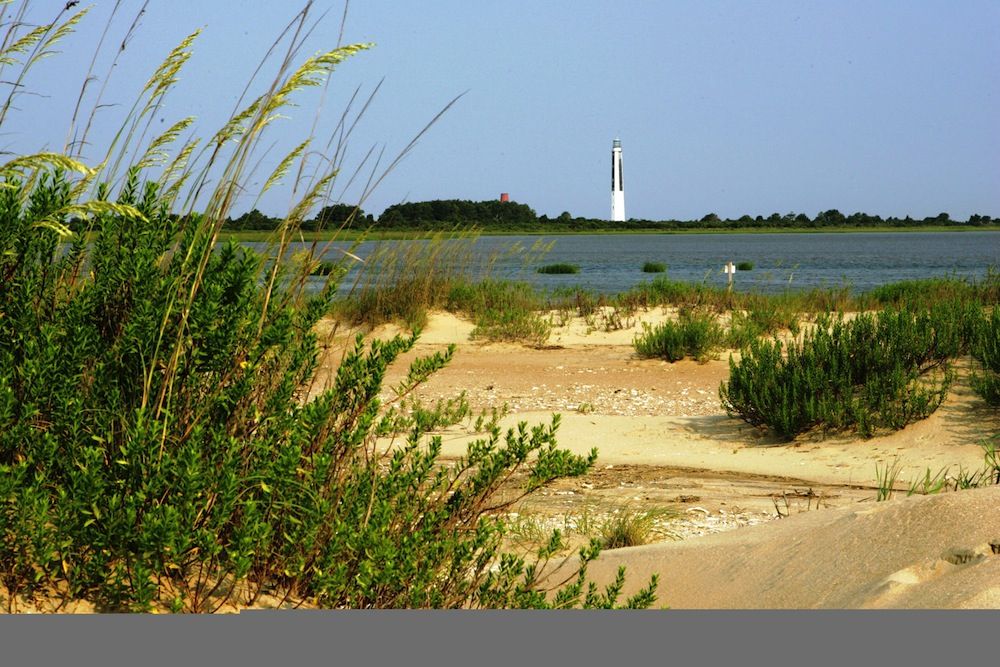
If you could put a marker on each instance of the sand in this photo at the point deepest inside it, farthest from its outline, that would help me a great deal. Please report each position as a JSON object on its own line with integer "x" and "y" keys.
{"x": 765, "y": 524}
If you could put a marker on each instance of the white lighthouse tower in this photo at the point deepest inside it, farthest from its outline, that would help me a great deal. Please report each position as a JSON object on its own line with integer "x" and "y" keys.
{"x": 617, "y": 184}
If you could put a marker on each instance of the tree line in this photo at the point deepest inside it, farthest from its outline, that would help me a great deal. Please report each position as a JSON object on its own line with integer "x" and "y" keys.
{"x": 494, "y": 215}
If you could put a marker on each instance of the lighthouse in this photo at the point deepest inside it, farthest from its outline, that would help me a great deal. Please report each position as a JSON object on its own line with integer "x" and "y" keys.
{"x": 617, "y": 183}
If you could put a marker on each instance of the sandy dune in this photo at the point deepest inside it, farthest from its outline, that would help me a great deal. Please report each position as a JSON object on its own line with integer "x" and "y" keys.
{"x": 936, "y": 551}
{"x": 662, "y": 434}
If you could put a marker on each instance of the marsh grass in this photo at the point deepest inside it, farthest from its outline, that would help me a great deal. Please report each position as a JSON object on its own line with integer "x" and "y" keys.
{"x": 577, "y": 301}
{"x": 402, "y": 281}
{"x": 654, "y": 267}
{"x": 559, "y": 269}
{"x": 943, "y": 480}
{"x": 764, "y": 317}
{"x": 623, "y": 526}
{"x": 502, "y": 311}
{"x": 930, "y": 291}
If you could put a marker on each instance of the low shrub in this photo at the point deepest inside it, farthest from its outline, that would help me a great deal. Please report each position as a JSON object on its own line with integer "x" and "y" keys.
{"x": 875, "y": 371}
{"x": 654, "y": 267}
{"x": 986, "y": 350}
{"x": 694, "y": 334}
{"x": 744, "y": 266}
{"x": 560, "y": 268}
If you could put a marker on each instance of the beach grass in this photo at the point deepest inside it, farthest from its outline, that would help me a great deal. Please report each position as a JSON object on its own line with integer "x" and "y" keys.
{"x": 631, "y": 527}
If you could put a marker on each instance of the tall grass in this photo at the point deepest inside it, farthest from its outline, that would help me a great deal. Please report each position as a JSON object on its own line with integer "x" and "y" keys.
{"x": 161, "y": 441}
{"x": 401, "y": 281}
{"x": 502, "y": 311}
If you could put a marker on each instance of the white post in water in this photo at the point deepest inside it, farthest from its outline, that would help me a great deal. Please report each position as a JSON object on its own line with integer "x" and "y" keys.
{"x": 730, "y": 270}
{"x": 617, "y": 183}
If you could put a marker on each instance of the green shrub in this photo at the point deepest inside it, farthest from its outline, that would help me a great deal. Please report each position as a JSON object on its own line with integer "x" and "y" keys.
{"x": 986, "y": 350}
{"x": 654, "y": 267}
{"x": 560, "y": 268}
{"x": 744, "y": 266}
{"x": 161, "y": 440}
{"x": 694, "y": 334}
{"x": 875, "y": 371}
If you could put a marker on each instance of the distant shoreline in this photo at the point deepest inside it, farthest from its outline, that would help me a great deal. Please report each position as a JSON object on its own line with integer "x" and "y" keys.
{"x": 402, "y": 235}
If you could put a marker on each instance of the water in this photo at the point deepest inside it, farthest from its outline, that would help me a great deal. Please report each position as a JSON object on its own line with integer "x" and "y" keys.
{"x": 613, "y": 263}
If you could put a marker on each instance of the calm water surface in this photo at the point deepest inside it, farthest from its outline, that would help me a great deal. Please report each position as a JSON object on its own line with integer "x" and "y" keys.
{"x": 613, "y": 263}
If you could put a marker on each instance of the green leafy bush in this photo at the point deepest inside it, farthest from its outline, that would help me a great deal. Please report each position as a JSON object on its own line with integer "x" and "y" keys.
{"x": 144, "y": 459}
{"x": 744, "y": 266}
{"x": 875, "y": 371}
{"x": 986, "y": 350}
{"x": 694, "y": 334}
{"x": 654, "y": 267}
{"x": 164, "y": 441}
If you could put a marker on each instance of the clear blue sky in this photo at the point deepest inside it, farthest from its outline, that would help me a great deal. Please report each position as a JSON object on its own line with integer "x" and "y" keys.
{"x": 732, "y": 107}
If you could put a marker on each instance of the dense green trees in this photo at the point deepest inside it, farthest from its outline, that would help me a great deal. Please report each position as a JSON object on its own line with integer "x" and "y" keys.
{"x": 332, "y": 217}
{"x": 494, "y": 215}
{"x": 336, "y": 216}
{"x": 449, "y": 213}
